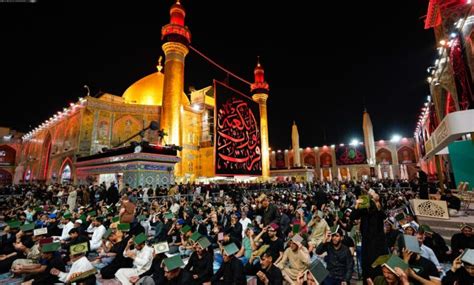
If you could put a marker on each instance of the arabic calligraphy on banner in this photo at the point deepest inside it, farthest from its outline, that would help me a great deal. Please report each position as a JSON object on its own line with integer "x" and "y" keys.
{"x": 237, "y": 132}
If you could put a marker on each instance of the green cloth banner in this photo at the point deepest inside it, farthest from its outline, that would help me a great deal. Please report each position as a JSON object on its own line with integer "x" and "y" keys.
{"x": 462, "y": 161}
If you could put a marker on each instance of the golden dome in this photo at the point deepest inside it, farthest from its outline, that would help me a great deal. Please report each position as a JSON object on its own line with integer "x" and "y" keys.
{"x": 146, "y": 91}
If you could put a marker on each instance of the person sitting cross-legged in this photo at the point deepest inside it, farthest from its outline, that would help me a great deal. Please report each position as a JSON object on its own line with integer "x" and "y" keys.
{"x": 142, "y": 256}
{"x": 295, "y": 259}
{"x": 82, "y": 270}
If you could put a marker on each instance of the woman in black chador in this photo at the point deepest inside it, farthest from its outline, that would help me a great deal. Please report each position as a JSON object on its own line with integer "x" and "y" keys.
{"x": 371, "y": 217}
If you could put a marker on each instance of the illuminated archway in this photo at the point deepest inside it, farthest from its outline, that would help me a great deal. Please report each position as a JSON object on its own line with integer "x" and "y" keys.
{"x": 406, "y": 155}
{"x": 7, "y": 155}
{"x": 309, "y": 160}
{"x": 65, "y": 173}
{"x": 383, "y": 156}
{"x": 325, "y": 160}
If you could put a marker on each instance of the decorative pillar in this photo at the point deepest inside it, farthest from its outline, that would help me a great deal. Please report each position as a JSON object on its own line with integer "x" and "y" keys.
{"x": 260, "y": 91}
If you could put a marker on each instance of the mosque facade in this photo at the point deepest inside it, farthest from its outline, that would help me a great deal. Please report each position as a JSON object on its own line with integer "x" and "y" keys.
{"x": 94, "y": 124}
{"x": 357, "y": 160}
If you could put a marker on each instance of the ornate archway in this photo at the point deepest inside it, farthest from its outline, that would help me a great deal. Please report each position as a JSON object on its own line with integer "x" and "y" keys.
{"x": 325, "y": 160}
{"x": 66, "y": 171}
{"x": 7, "y": 155}
{"x": 309, "y": 160}
{"x": 406, "y": 155}
{"x": 383, "y": 156}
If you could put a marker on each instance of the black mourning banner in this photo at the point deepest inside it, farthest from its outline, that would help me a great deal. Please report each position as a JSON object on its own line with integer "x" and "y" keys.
{"x": 237, "y": 133}
{"x": 348, "y": 154}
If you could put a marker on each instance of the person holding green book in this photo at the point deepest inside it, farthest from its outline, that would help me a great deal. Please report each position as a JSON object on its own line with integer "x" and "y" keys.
{"x": 373, "y": 242}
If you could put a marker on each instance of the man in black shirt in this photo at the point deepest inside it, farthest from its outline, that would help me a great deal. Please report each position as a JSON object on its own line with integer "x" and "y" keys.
{"x": 173, "y": 274}
{"x": 275, "y": 244}
{"x": 266, "y": 272}
{"x": 340, "y": 262}
{"x": 269, "y": 211}
{"x": 423, "y": 180}
{"x": 454, "y": 203}
{"x": 200, "y": 262}
{"x": 461, "y": 274}
{"x": 436, "y": 242}
{"x": 234, "y": 228}
{"x": 462, "y": 240}
{"x": 231, "y": 270}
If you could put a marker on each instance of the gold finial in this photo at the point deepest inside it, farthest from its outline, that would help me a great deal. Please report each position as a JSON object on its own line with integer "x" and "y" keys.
{"x": 159, "y": 66}
{"x": 258, "y": 60}
{"x": 177, "y": 2}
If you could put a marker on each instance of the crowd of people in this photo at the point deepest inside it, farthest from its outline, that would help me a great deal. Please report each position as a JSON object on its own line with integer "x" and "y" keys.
{"x": 281, "y": 233}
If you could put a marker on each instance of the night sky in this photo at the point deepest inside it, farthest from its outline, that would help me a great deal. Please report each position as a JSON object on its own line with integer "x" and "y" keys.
{"x": 322, "y": 63}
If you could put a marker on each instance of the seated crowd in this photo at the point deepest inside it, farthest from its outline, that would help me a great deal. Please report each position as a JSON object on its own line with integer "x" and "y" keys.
{"x": 231, "y": 234}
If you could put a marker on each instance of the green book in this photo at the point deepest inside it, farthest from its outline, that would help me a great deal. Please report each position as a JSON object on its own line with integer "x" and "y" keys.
{"x": 334, "y": 229}
{"x": 468, "y": 256}
{"x": 380, "y": 260}
{"x": 204, "y": 242}
{"x": 171, "y": 263}
{"x": 185, "y": 229}
{"x": 340, "y": 214}
{"x": 411, "y": 243}
{"x": 318, "y": 271}
{"x": 168, "y": 216}
{"x": 296, "y": 228}
{"x": 115, "y": 219}
{"x": 195, "y": 236}
{"x": 399, "y": 217}
{"x": 123, "y": 227}
{"x": 365, "y": 202}
{"x": 27, "y": 227}
{"x": 92, "y": 213}
{"x": 395, "y": 261}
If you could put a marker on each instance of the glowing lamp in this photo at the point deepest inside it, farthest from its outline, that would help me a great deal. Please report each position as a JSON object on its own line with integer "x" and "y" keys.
{"x": 395, "y": 138}
{"x": 354, "y": 142}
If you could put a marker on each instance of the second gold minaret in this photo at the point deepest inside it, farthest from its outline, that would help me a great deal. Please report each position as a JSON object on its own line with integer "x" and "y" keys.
{"x": 260, "y": 90}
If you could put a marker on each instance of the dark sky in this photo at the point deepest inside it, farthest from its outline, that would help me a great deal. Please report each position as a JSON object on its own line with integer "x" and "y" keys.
{"x": 322, "y": 62}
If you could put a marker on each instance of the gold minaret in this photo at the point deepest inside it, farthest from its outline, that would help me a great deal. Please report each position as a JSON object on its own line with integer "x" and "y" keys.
{"x": 260, "y": 90}
{"x": 176, "y": 37}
